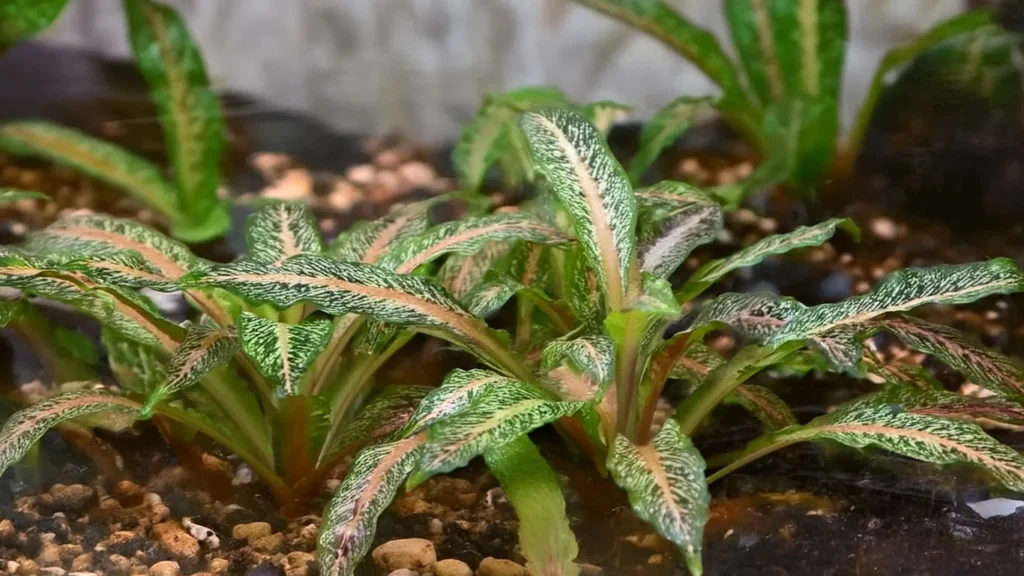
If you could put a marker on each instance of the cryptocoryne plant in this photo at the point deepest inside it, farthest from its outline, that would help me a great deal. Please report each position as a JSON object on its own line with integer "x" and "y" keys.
{"x": 786, "y": 101}
{"x": 188, "y": 110}
{"x": 587, "y": 264}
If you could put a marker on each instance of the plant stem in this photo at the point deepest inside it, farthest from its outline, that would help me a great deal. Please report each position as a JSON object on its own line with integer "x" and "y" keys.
{"x": 625, "y": 379}
{"x": 726, "y": 378}
{"x": 757, "y": 450}
{"x": 326, "y": 364}
{"x": 232, "y": 402}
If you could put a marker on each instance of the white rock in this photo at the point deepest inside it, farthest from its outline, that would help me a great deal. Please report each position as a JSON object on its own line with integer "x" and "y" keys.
{"x": 995, "y": 507}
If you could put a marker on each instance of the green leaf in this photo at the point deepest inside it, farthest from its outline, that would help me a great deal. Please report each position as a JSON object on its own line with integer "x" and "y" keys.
{"x": 187, "y": 107}
{"x": 93, "y": 156}
{"x": 203, "y": 349}
{"x": 459, "y": 390}
{"x": 533, "y": 489}
{"x": 900, "y": 56}
{"x": 494, "y": 131}
{"x": 897, "y": 372}
{"x": 963, "y": 353}
{"x": 491, "y": 295}
{"x": 462, "y": 274}
{"x": 833, "y": 328}
{"x": 467, "y": 236}
{"x": 754, "y": 315}
{"x": 696, "y": 363}
{"x": 764, "y": 404}
{"x": 279, "y": 231}
{"x": 11, "y": 310}
{"x": 368, "y": 241}
{"x": 801, "y": 132}
{"x": 22, "y": 19}
{"x": 984, "y": 61}
{"x": 590, "y": 355}
{"x": 665, "y": 483}
{"x": 136, "y": 367}
{"x": 496, "y": 417}
{"x": 338, "y": 288}
{"x": 943, "y": 404}
{"x": 585, "y": 298}
{"x": 23, "y": 429}
{"x": 15, "y": 194}
{"x": 99, "y": 236}
{"x": 668, "y": 233}
{"x": 283, "y": 352}
{"x": 604, "y": 114}
{"x": 593, "y": 188}
{"x": 350, "y": 519}
{"x": 750, "y": 25}
{"x": 889, "y": 426}
{"x": 385, "y": 415}
{"x": 662, "y": 130}
{"x": 802, "y": 237}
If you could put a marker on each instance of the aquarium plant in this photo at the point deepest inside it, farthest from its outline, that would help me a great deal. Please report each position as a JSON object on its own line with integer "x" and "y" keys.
{"x": 783, "y": 97}
{"x": 187, "y": 108}
{"x": 584, "y": 272}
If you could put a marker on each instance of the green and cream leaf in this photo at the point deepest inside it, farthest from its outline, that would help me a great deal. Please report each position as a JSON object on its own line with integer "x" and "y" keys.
{"x": 283, "y": 352}
{"x": 276, "y": 232}
{"x": 662, "y": 130}
{"x": 203, "y": 349}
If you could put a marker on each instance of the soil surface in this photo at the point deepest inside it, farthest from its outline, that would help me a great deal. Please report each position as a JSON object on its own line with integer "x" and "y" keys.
{"x": 803, "y": 511}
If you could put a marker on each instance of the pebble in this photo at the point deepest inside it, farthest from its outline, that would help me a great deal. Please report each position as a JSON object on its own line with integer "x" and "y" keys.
{"x": 403, "y": 572}
{"x": 252, "y": 531}
{"x": 361, "y": 174}
{"x": 178, "y": 542}
{"x": 590, "y": 570}
{"x": 451, "y": 567}
{"x": 296, "y": 184}
{"x": 202, "y": 534}
{"x": 436, "y": 527}
{"x": 49, "y": 555}
{"x": 165, "y": 568}
{"x": 52, "y": 571}
{"x": 389, "y": 158}
{"x": 883, "y": 228}
{"x": 412, "y": 553}
{"x": 418, "y": 174}
{"x": 269, "y": 544}
{"x": 219, "y": 565}
{"x": 73, "y": 497}
{"x": 344, "y": 196}
{"x": 496, "y": 567}
{"x": 266, "y": 569}
{"x": 81, "y": 562}
{"x": 82, "y": 573}
{"x": 243, "y": 475}
{"x": 768, "y": 225}
{"x": 298, "y": 564}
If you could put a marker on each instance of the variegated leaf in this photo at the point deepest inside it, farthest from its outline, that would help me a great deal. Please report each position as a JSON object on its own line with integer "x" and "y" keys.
{"x": 23, "y": 429}
{"x": 670, "y": 195}
{"x": 468, "y": 236}
{"x": 382, "y": 417}
{"x": 754, "y": 315}
{"x": 203, "y": 349}
{"x": 897, "y": 372}
{"x": 593, "y": 188}
{"x": 535, "y": 492}
{"x": 350, "y": 519}
{"x": 665, "y": 483}
{"x": 834, "y": 327}
{"x": 461, "y": 274}
{"x": 696, "y": 363}
{"x": 943, "y": 404}
{"x": 662, "y": 130}
{"x": 368, "y": 241}
{"x": 342, "y": 287}
{"x": 22, "y": 19}
{"x": 495, "y": 129}
{"x": 591, "y": 355}
{"x": 491, "y": 295}
{"x": 98, "y": 236}
{"x": 283, "y": 352}
{"x": 93, "y": 156}
{"x": 585, "y": 299}
{"x": 460, "y": 389}
{"x": 136, "y": 367}
{"x": 605, "y": 114}
{"x": 980, "y": 365}
{"x": 764, "y": 404}
{"x": 889, "y": 426}
{"x": 803, "y": 237}
{"x": 499, "y": 415}
{"x": 279, "y": 231}
{"x": 188, "y": 110}
{"x": 665, "y": 243}
{"x": 8, "y": 194}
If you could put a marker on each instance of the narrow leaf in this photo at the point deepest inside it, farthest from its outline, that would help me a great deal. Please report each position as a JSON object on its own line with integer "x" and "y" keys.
{"x": 943, "y": 404}
{"x": 696, "y": 363}
{"x": 662, "y": 130}
{"x": 187, "y": 107}
{"x": 136, "y": 367}
{"x": 203, "y": 349}
{"x": 665, "y": 483}
{"x": 594, "y": 189}
{"x": 350, "y": 519}
{"x": 458, "y": 391}
{"x": 461, "y": 274}
{"x": 754, "y": 315}
{"x": 668, "y": 233}
{"x": 750, "y": 26}
{"x": 764, "y": 404}
{"x": 15, "y": 194}
{"x": 605, "y": 114}
{"x": 93, "y": 156}
{"x": 533, "y": 489}
{"x": 23, "y": 429}
{"x": 22, "y": 19}
{"x": 386, "y": 413}
{"x": 367, "y": 241}
{"x": 279, "y": 231}
{"x": 283, "y": 352}
{"x": 591, "y": 355}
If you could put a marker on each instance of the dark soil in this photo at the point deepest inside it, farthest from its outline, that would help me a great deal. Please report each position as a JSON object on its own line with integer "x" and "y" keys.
{"x": 807, "y": 510}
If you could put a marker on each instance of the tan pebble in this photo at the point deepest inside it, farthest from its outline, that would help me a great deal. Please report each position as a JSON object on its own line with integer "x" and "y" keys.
{"x": 28, "y": 568}
{"x": 389, "y": 158}
{"x": 214, "y": 464}
{"x": 146, "y": 216}
{"x": 389, "y": 180}
{"x": 19, "y": 228}
{"x": 743, "y": 170}
{"x": 690, "y": 166}
{"x": 165, "y": 568}
{"x": 403, "y": 572}
{"x": 28, "y": 205}
{"x": 883, "y": 228}
{"x": 309, "y": 532}
{"x": 49, "y": 555}
{"x": 343, "y": 197}
{"x": 11, "y": 567}
{"x": 877, "y": 272}
{"x": 7, "y": 529}
{"x": 991, "y": 315}
{"x": 251, "y": 531}
{"x": 269, "y": 164}
{"x": 361, "y": 174}
{"x": 297, "y": 563}
{"x": 158, "y": 513}
{"x": 73, "y": 497}
{"x": 436, "y": 527}
{"x": 726, "y": 177}
{"x": 178, "y": 542}
{"x": 845, "y": 258}
{"x": 296, "y": 184}
{"x": 451, "y": 567}
{"x": 219, "y": 565}
{"x": 269, "y": 544}
{"x": 496, "y": 567}
{"x": 861, "y": 287}
{"x": 411, "y": 553}
{"x": 590, "y": 570}
{"x": 891, "y": 263}
{"x": 30, "y": 179}
{"x": 656, "y": 560}
{"x": 744, "y": 216}
{"x": 417, "y": 174}
{"x": 767, "y": 225}
{"x": 82, "y": 562}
